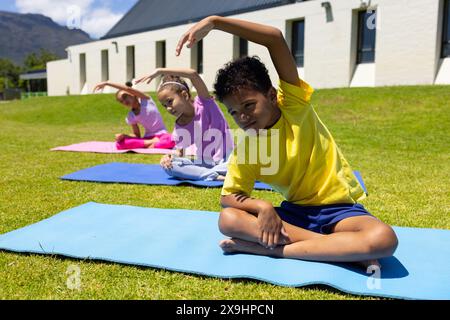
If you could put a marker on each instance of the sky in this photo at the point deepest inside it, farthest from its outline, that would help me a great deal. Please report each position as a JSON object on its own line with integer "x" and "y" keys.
{"x": 96, "y": 17}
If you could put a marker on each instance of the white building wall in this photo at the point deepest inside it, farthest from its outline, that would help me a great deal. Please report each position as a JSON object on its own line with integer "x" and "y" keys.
{"x": 407, "y": 42}
{"x": 93, "y": 69}
{"x": 74, "y": 66}
{"x": 58, "y": 77}
{"x": 328, "y": 45}
{"x": 217, "y": 50}
{"x": 407, "y": 47}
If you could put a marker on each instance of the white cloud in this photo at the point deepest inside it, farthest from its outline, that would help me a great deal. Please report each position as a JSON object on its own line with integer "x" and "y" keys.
{"x": 74, "y": 13}
{"x": 100, "y": 21}
{"x": 55, "y": 9}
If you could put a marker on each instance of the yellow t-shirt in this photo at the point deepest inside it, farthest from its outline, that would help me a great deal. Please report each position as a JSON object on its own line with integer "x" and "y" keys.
{"x": 302, "y": 160}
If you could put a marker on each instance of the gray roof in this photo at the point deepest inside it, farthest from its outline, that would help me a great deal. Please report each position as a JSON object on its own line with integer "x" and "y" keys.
{"x": 149, "y": 15}
{"x": 35, "y": 74}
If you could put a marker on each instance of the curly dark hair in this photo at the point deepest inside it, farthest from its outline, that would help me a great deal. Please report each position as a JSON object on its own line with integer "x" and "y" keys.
{"x": 244, "y": 73}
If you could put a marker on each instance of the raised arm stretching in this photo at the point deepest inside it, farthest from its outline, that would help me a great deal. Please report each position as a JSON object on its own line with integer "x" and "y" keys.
{"x": 270, "y": 37}
{"x": 197, "y": 81}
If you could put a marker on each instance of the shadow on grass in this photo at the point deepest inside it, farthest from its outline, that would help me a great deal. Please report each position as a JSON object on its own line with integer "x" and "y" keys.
{"x": 392, "y": 268}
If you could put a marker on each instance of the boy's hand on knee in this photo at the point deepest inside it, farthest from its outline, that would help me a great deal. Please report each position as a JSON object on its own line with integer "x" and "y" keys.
{"x": 271, "y": 227}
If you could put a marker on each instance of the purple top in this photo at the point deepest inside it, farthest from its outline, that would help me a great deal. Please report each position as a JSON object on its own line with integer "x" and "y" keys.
{"x": 207, "y": 136}
{"x": 149, "y": 118}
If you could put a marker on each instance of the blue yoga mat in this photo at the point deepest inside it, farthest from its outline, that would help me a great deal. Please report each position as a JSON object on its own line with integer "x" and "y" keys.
{"x": 135, "y": 173}
{"x": 150, "y": 174}
{"x": 138, "y": 236}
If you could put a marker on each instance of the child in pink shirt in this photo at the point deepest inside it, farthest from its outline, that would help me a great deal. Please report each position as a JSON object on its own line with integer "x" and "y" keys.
{"x": 144, "y": 112}
{"x": 200, "y": 127}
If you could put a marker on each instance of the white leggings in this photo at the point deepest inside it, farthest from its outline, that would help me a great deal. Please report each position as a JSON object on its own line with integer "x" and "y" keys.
{"x": 186, "y": 169}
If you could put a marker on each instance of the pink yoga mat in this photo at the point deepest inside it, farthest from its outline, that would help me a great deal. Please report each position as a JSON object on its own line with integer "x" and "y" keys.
{"x": 107, "y": 147}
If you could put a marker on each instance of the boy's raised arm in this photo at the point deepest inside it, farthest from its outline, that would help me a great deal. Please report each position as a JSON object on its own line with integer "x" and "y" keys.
{"x": 270, "y": 37}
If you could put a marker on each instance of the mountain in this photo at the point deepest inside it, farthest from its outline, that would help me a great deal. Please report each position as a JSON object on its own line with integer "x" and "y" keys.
{"x": 22, "y": 34}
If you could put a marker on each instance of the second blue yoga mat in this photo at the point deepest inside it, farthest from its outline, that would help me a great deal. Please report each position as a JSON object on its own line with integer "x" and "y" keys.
{"x": 187, "y": 241}
{"x": 135, "y": 173}
{"x": 150, "y": 174}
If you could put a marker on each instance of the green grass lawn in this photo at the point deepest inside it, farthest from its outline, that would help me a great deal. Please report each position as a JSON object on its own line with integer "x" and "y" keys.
{"x": 398, "y": 137}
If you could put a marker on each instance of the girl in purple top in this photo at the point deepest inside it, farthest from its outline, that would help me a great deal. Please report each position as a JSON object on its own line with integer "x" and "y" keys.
{"x": 144, "y": 112}
{"x": 200, "y": 127}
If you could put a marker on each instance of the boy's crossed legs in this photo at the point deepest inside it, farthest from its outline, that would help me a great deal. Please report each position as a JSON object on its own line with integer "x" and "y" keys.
{"x": 362, "y": 239}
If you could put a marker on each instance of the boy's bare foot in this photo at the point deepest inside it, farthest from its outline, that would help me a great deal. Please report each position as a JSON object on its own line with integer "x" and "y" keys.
{"x": 237, "y": 245}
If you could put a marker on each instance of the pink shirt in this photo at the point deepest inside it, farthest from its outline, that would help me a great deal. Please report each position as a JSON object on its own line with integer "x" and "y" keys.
{"x": 207, "y": 136}
{"x": 149, "y": 118}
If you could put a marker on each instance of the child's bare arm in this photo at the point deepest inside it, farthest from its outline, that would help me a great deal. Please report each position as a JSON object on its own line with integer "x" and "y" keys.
{"x": 136, "y": 130}
{"x": 270, "y": 224}
{"x": 118, "y": 86}
{"x": 270, "y": 37}
{"x": 197, "y": 81}
{"x": 244, "y": 202}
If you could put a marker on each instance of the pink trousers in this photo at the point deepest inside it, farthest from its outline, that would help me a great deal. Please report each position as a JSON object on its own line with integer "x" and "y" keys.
{"x": 165, "y": 142}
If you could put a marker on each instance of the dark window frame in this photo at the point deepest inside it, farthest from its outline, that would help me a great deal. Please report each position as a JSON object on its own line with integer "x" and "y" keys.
{"x": 103, "y": 55}
{"x": 365, "y": 55}
{"x": 83, "y": 70}
{"x": 161, "y": 45}
{"x": 445, "y": 52}
{"x": 164, "y": 55}
{"x": 200, "y": 57}
{"x": 298, "y": 44}
{"x": 133, "y": 62}
{"x": 243, "y": 47}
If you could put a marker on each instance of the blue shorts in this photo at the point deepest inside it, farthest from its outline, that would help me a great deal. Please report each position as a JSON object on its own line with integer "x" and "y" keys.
{"x": 319, "y": 219}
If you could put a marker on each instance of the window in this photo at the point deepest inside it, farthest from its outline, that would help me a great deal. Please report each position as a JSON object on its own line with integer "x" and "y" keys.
{"x": 161, "y": 54}
{"x": 243, "y": 48}
{"x": 197, "y": 57}
{"x": 446, "y": 31}
{"x": 366, "y": 36}
{"x": 82, "y": 70}
{"x": 131, "y": 70}
{"x": 240, "y": 47}
{"x": 105, "y": 65}
{"x": 298, "y": 42}
{"x": 200, "y": 56}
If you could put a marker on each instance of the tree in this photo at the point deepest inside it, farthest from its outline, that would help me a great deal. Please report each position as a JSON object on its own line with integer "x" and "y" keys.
{"x": 9, "y": 74}
{"x": 37, "y": 61}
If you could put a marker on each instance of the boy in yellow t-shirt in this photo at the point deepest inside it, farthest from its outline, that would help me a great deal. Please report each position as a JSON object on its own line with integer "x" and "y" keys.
{"x": 321, "y": 219}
